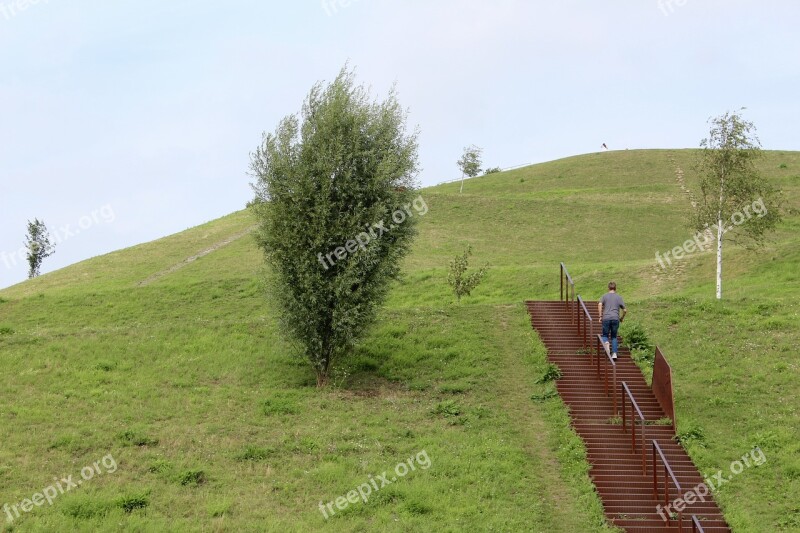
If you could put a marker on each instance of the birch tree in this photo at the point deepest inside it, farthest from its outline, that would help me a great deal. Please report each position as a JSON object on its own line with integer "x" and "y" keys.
{"x": 469, "y": 163}
{"x": 738, "y": 204}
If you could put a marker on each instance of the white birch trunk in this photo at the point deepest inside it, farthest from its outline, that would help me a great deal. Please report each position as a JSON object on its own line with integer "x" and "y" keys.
{"x": 720, "y": 233}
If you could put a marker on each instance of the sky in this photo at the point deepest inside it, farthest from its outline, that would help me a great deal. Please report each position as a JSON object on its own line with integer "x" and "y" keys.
{"x": 123, "y": 122}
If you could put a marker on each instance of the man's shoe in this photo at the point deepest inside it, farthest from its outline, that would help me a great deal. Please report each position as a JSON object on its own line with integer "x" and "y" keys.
{"x": 613, "y": 356}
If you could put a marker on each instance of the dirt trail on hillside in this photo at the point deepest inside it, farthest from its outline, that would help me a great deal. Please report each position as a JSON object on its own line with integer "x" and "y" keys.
{"x": 679, "y": 177}
{"x": 192, "y": 259}
{"x": 676, "y": 269}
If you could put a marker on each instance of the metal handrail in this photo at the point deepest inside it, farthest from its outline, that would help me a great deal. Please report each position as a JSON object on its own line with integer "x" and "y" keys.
{"x": 569, "y": 297}
{"x": 667, "y": 471}
{"x": 587, "y": 332}
{"x": 605, "y": 371}
{"x": 627, "y": 392}
{"x": 696, "y": 527}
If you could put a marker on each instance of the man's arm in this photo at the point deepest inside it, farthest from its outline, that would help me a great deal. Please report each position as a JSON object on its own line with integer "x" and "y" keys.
{"x": 623, "y": 312}
{"x": 600, "y": 309}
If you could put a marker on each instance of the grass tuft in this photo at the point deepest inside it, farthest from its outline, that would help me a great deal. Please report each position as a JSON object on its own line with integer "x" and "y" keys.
{"x": 131, "y": 437}
{"x": 192, "y": 477}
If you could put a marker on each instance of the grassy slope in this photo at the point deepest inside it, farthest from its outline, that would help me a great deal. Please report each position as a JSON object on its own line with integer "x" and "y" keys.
{"x": 194, "y": 361}
{"x": 96, "y": 364}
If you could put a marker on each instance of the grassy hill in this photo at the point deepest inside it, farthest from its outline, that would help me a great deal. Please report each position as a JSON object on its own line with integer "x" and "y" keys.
{"x": 175, "y": 369}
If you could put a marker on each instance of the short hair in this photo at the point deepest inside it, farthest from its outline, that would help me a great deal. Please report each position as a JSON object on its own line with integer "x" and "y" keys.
{"x": 612, "y": 286}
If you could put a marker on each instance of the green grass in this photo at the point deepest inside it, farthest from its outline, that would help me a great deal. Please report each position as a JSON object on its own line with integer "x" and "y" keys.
{"x": 216, "y": 426}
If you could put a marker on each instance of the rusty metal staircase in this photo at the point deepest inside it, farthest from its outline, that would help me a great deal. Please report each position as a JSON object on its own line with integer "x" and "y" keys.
{"x": 627, "y": 426}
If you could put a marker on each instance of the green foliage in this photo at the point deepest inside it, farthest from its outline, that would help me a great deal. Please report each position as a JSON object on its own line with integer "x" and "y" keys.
{"x": 635, "y": 336}
{"x": 136, "y": 438}
{"x": 254, "y": 453}
{"x": 492, "y": 170}
{"x": 160, "y": 466}
{"x": 547, "y": 393}
{"x": 219, "y": 509}
{"x": 281, "y": 403}
{"x": 663, "y": 421}
{"x": 730, "y": 180}
{"x": 195, "y": 371}
{"x": 448, "y": 408}
{"x": 462, "y": 283}
{"x": 469, "y": 163}
{"x": 193, "y": 477}
{"x": 735, "y": 196}
{"x": 84, "y": 507}
{"x": 551, "y": 373}
{"x": 132, "y": 502}
{"x": 693, "y": 434}
{"x": 790, "y": 519}
{"x": 454, "y": 388}
{"x": 769, "y": 440}
{"x": 646, "y": 358}
{"x": 39, "y": 246}
{"x": 344, "y": 170}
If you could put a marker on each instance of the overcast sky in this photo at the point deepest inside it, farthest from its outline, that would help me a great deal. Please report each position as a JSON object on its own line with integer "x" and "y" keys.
{"x": 125, "y": 121}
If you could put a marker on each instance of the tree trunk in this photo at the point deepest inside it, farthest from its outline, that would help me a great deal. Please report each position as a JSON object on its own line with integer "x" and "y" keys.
{"x": 720, "y": 233}
{"x": 462, "y": 184}
{"x": 322, "y": 372}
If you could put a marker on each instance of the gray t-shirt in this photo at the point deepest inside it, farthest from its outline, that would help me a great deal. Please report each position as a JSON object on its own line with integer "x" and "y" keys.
{"x": 612, "y": 302}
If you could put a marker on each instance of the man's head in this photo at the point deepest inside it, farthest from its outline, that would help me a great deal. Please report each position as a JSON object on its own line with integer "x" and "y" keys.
{"x": 612, "y": 286}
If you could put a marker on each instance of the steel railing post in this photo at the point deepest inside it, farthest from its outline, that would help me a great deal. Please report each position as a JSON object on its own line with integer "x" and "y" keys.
{"x": 655, "y": 474}
{"x": 614, "y": 391}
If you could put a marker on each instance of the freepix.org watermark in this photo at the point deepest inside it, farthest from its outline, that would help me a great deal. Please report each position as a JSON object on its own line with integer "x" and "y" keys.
{"x": 374, "y": 484}
{"x": 705, "y": 239}
{"x": 373, "y": 232}
{"x": 11, "y": 9}
{"x": 61, "y": 486}
{"x": 668, "y": 6}
{"x": 331, "y": 7}
{"x": 711, "y": 484}
{"x": 64, "y": 233}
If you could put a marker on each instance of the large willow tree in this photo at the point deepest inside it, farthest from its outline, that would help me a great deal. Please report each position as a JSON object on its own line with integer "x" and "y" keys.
{"x": 335, "y": 175}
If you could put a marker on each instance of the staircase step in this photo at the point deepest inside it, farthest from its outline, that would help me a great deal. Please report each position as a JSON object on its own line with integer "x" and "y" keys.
{"x": 626, "y": 492}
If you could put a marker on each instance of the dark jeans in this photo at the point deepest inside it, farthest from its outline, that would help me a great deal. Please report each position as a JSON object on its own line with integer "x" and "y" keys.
{"x": 611, "y": 327}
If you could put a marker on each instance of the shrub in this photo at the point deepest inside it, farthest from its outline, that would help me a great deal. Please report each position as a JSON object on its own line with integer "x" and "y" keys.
{"x": 462, "y": 283}
{"x": 635, "y": 336}
{"x": 551, "y": 373}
